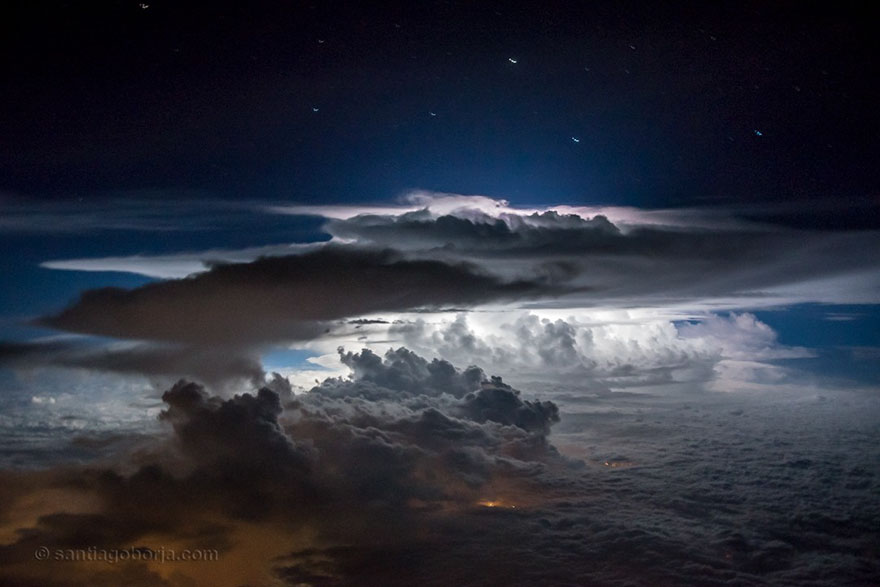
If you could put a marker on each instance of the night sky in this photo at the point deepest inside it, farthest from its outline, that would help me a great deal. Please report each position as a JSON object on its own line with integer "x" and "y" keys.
{"x": 672, "y": 104}
{"x": 430, "y": 293}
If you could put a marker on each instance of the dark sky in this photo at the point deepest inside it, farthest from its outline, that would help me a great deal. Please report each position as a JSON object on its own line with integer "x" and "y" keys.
{"x": 684, "y": 104}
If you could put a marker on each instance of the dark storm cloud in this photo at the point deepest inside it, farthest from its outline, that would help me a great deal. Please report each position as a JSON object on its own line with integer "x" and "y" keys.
{"x": 404, "y": 372}
{"x": 215, "y": 366}
{"x": 458, "y": 413}
{"x": 240, "y": 434}
{"x": 501, "y": 403}
{"x": 447, "y": 414}
{"x": 282, "y": 298}
{"x": 403, "y": 375}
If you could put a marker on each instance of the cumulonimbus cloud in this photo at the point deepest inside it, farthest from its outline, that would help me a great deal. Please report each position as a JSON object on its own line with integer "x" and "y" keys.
{"x": 461, "y": 251}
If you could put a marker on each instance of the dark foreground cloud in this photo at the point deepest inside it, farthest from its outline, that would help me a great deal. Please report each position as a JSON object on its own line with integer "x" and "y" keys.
{"x": 380, "y": 458}
{"x": 283, "y": 298}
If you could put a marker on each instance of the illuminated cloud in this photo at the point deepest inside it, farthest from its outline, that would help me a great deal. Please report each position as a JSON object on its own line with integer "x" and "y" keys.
{"x": 615, "y": 350}
{"x": 444, "y": 204}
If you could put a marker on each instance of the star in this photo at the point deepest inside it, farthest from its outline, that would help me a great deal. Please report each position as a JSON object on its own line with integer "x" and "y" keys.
{"x": 144, "y": 6}
{"x": 575, "y": 140}
{"x": 432, "y": 113}
{"x": 315, "y": 108}
{"x": 512, "y": 60}
{"x": 758, "y": 133}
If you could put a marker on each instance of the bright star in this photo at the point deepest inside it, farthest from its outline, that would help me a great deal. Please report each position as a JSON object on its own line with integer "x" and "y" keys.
{"x": 758, "y": 133}
{"x": 432, "y": 113}
{"x": 315, "y": 108}
{"x": 575, "y": 139}
{"x": 511, "y": 59}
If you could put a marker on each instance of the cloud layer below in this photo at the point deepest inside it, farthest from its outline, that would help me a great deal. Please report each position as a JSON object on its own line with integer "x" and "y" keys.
{"x": 412, "y": 471}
